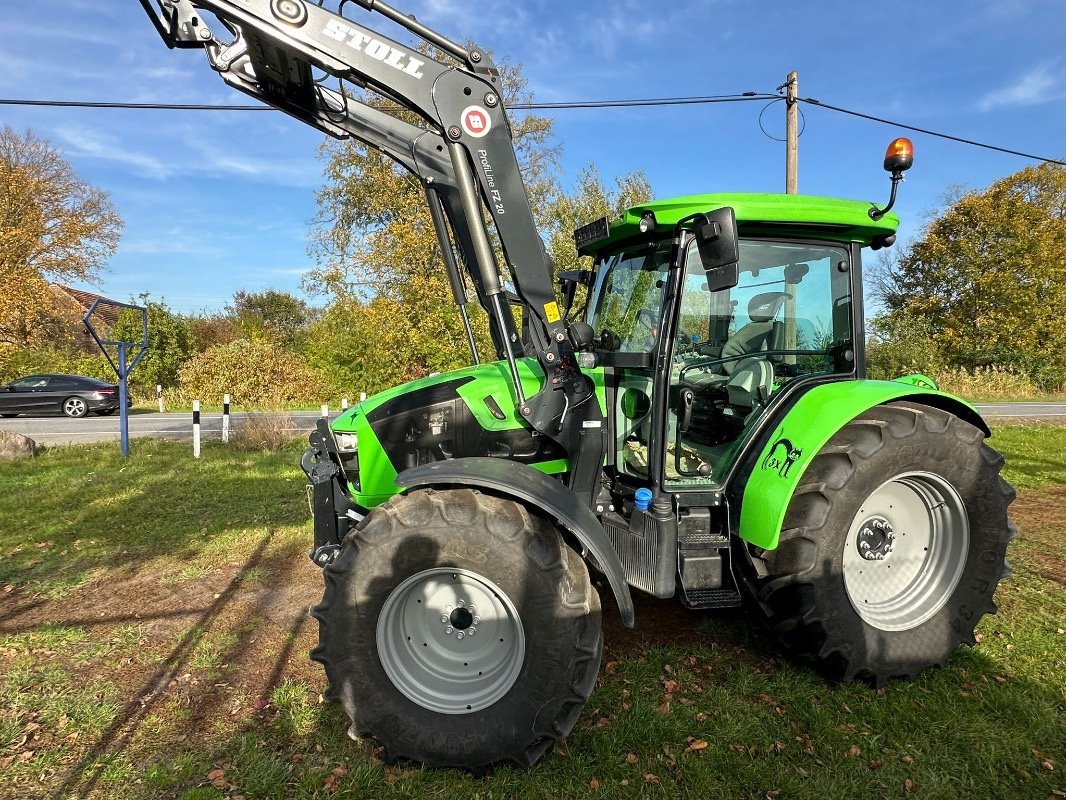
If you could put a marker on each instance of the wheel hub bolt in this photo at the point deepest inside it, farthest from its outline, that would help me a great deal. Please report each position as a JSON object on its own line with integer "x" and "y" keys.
{"x": 875, "y": 539}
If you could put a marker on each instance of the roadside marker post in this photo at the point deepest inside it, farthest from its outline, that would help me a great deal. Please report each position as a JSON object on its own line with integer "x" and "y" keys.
{"x": 325, "y": 410}
{"x": 362, "y": 396}
{"x": 195, "y": 428}
{"x": 121, "y": 364}
{"x": 344, "y": 404}
{"x": 225, "y": 418}
{"x": 159, "y": 396}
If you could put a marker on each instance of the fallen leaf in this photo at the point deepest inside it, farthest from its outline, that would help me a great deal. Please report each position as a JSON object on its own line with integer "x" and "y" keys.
{"x": 908, "y": 785}
{"x": 631, "y": 758}
{"x": 874, "y": 764}
{"x": 671, "y": 686}
{"x": 853, "y": 751}
{"x": 651, "y": 777}
{"x": 907, "y": 759}
{"x": 594, "y": 785}
{"x": 698, "y": 744}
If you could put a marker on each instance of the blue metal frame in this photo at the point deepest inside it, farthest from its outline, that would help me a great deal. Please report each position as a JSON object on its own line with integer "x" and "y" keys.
{"x": 121, "y": 368}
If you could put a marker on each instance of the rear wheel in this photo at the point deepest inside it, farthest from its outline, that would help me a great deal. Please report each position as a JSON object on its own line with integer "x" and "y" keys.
{"x": 459, "y": 630}
{"x": 892, "y": 545}
{"x": 75, "y": 407}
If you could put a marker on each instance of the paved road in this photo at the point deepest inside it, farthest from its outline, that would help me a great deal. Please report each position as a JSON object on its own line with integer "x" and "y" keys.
{"x": 53, "y": 430}
{"x": 1045, "y": 411}
{"x": 61, "y": 430}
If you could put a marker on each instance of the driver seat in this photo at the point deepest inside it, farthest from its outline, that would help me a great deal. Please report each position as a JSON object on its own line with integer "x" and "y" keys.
{"x": 756, "y": 336}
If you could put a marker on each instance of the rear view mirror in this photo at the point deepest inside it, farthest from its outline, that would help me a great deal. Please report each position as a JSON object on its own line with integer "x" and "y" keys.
{"x": 716, "y": 240}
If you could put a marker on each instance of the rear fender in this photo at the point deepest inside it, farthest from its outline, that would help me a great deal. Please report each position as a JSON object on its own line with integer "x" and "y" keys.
{"x": 806, "y": 427}
{"x": 535, "y": 489}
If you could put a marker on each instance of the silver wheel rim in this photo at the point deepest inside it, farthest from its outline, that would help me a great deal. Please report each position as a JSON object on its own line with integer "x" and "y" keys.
{"x": 905, "y": 551}
{"x": 450, "y": 640}
{"x": 74, "y": 407}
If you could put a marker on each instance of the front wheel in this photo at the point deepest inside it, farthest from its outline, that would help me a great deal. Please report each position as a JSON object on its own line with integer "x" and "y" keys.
{"x": 892, "y": 546}
{"x": 459, "y": 630}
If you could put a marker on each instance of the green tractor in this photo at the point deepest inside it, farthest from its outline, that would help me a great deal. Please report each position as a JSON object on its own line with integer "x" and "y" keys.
{"x": 699, "y": 425}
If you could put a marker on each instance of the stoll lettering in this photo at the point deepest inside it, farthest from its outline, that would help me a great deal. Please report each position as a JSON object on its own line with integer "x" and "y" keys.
{"x": 375, "y": 48}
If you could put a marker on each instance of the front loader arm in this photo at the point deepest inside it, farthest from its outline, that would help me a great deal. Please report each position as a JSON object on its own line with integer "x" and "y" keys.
{"x": 277, "y": 43}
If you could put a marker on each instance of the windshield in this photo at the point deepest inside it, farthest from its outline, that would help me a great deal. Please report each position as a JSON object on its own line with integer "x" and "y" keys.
{"x": 628, "y": 295}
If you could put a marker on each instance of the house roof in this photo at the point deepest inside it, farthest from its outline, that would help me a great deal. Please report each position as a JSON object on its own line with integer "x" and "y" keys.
{"x": 105, "y": 313}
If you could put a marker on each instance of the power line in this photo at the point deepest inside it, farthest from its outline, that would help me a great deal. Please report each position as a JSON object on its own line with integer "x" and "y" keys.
{"x": 578, "y": 104}
{"x": 927, "y": 132}
{"x": 134, "y": 106}
{"x": 651, "y": 101}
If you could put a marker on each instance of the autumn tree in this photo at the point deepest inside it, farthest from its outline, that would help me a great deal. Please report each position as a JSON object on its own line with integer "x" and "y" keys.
{"x": 590, "y": 200}
{"x": 274, "y": 315}
{"x": 987, "y": 278}
{"x": 53, "y": 227}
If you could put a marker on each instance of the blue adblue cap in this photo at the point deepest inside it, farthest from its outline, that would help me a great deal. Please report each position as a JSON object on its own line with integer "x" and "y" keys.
{"x": 643, "y": 499}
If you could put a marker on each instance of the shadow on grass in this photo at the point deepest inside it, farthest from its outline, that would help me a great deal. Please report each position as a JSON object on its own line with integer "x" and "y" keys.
{"x": 768, "y": 725}
{"x": 79, "y": 510}
{"x": 232, "y": 610}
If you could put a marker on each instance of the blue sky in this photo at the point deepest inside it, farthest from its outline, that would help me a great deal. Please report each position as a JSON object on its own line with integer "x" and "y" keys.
{"x": 215, "y": 202}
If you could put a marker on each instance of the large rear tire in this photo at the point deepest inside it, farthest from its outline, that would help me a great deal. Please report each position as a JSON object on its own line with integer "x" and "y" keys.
{"x": 892, "y": 546}
{"x": 459, "y": 630}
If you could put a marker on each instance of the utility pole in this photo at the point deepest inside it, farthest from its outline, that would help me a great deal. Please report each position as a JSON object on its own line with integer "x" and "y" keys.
{"x": 792, "y": 133}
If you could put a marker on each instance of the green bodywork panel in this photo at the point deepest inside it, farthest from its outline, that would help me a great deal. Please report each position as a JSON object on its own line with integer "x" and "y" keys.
{"x": 785, "y": 215}
{"x": 812, "y": 422}
{"x": 377, "y": 475}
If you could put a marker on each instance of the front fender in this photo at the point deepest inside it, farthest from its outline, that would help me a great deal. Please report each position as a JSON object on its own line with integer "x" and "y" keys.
{"x": 805, "y": 429}
{"x": 535, "y": 489}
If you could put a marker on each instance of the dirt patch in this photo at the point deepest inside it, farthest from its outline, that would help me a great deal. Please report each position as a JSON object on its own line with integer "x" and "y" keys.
{"x": 1041, "y": 518}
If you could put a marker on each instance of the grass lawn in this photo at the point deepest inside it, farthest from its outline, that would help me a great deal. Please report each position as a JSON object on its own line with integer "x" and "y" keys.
{"x": 154, "y": 637}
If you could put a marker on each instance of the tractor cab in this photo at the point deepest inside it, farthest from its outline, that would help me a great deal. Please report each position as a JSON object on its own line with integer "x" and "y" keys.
{"x": 715, "y": 354}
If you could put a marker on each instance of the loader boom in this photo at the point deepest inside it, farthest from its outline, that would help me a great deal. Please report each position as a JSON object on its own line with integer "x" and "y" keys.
{"x": 465, "y": 158}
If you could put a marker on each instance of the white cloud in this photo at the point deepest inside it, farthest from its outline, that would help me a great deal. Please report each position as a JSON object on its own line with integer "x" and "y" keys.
{"x": 1037, "y": 86}
{"x": 88, "y": 142}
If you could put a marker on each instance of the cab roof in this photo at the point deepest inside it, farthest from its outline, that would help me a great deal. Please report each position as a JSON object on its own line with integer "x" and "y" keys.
{"x": 785, "y": 215}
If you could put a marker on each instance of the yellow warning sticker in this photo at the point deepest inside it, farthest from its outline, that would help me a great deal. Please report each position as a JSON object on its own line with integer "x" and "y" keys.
{"x": 551, "y": 312}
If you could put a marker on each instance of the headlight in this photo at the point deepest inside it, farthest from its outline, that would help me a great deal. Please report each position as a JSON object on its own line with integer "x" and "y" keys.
{"x": 346, "y": 442}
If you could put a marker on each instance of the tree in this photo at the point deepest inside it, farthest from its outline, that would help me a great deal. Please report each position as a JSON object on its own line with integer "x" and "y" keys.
{"x": 171, "y": 344}
{"x": 987, "y": 278}
{"x": 274, "y": 315}
{"x": 53, "y": 226}
{"x": 590, "y": 200}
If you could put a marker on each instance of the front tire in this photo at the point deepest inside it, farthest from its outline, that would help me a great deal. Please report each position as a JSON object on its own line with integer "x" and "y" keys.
{"x": 892, "y": 546}
{"x": 459, "y": 630}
